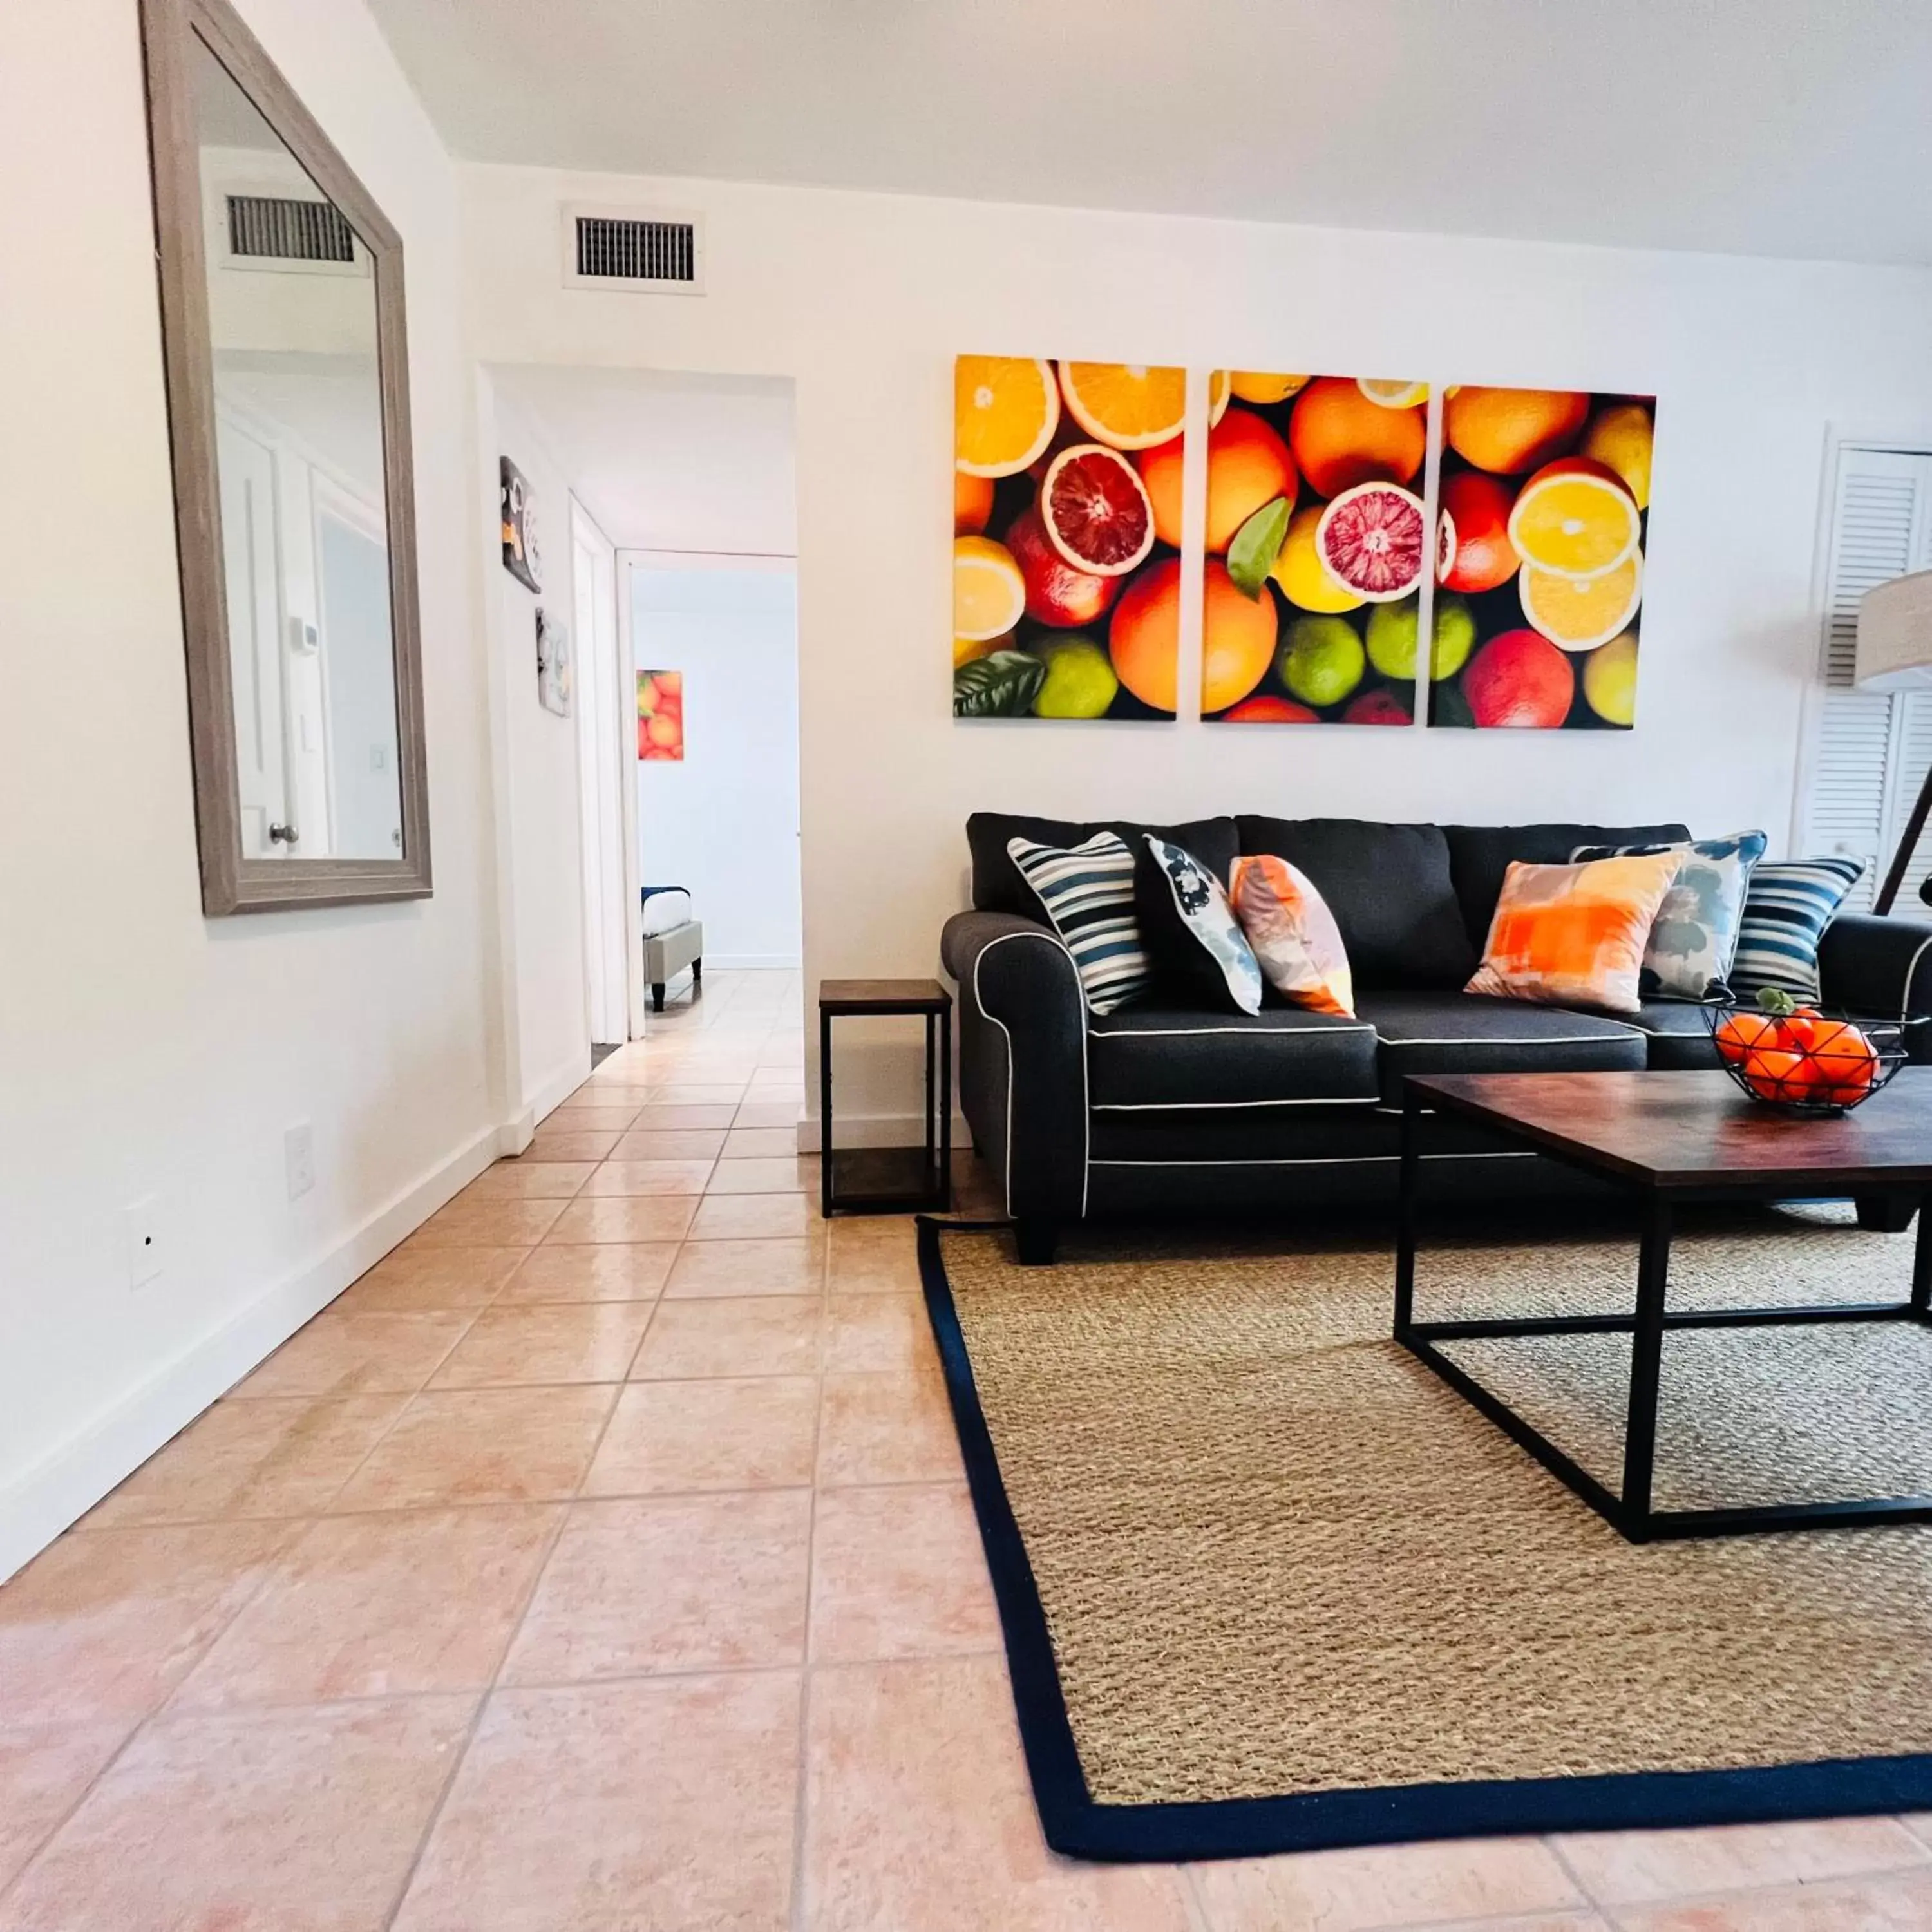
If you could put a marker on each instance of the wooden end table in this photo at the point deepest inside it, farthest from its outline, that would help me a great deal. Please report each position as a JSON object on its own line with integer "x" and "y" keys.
{"x": 895, "y": 1180}
{"x": 1669, "y": 1138}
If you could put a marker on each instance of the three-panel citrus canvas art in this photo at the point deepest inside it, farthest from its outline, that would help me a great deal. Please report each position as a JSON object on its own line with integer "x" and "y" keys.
{"x": 1345, "y": 521}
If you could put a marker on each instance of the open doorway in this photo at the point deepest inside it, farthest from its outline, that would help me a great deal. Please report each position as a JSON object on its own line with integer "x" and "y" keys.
{"x": 673, "y": 498}
{"x": 714, "y": 643}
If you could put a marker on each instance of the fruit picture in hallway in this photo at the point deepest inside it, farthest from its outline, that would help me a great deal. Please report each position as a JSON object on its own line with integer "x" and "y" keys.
{"x": 1317, "y": 542}
{"x": 661, "y": 715}
{"x": 1065, "y": 580}
{"x": 1543, "y": 523}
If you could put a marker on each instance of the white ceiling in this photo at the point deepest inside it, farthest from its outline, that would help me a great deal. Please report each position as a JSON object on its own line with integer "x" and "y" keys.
{"x": 667, "y": 461}
{"x": 1793, "y": 127}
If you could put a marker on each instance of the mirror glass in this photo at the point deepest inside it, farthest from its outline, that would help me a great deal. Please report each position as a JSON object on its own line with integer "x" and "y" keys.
{"x": 305, "y": 524}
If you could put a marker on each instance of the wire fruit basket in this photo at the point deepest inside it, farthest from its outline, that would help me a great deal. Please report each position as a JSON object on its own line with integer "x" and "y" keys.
{"x": 1801, "y": 1060}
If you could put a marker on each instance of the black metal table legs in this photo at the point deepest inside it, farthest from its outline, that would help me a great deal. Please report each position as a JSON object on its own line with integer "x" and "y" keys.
{"x": 1629, "y": 1510}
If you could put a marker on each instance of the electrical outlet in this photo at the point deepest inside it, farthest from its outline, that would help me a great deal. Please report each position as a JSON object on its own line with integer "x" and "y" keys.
{"x": 141, "y": 1239}
{"x": 298, "y": 1155}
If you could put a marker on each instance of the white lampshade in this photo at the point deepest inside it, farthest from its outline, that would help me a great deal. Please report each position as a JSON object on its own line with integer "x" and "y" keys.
{"x": 1894, "y": 648}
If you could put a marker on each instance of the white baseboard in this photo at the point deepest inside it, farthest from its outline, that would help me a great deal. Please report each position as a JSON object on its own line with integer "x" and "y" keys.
{"x": 753, "y": 962}
{"x": 70, "y": 1478}
{"x": 871, "y": 1130}
{"x": 551, "y": 1093}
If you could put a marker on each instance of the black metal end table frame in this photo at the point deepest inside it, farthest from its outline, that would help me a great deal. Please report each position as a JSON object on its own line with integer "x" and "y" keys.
{"x": 889, "y": 1180}
{"x": 1630, "y": 1512}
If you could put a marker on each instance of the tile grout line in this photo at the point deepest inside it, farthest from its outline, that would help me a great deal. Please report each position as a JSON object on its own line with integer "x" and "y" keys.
{"x": 1618, "y": 1913}
{"x": 539, "y": 1571}
{"x": 149, "y": 1718}
{"x": 309, "y": 1521}
{"x": 1549, "y": 1841}
{"x": 1200, "y": 1918}
{"x": 460, "y": 1756}
{"x": 801, "y": 1821}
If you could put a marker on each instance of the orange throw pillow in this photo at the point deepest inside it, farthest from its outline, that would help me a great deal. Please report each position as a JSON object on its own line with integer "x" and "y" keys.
{"x": 1293, "y": 935}
{"x": 1574, "y": 935}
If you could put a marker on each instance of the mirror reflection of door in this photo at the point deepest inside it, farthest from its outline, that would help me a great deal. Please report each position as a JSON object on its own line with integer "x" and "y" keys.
{"x": 253, "y": 561}
{"x": 292, "y": 320}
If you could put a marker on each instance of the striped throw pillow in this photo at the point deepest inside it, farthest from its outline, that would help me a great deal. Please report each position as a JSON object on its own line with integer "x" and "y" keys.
{"x": 1088, "y": 893}
{"x": 1788, "y": 904}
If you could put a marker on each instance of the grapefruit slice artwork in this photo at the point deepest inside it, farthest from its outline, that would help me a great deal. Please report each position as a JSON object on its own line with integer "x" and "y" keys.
{"x": 1548, "y": 493}
{"x": 1067, "y": 515}
{"x": 1314, "y": 506}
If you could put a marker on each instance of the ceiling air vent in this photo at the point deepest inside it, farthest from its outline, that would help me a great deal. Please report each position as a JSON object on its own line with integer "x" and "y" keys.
{"x": 614, "y": 248}
{"x": 276, "y": 228}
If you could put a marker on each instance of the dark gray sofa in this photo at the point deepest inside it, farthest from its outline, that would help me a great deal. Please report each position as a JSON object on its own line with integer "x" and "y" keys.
{"x": 1156, "y": 1108}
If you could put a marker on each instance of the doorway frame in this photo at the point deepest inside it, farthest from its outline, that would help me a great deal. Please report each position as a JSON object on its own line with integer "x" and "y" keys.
{"x": 613, "y": 968}
{"x": 632, "y": 558}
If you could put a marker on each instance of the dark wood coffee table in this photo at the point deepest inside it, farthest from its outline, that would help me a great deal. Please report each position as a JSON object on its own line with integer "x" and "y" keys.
{"x": 1672, "y": 1138}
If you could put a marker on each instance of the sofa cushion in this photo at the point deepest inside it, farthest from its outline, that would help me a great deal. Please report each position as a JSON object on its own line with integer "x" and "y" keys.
{"x": 997, "y": 886}
{"x": 1144, "y": 1058}
{"x": 1463, "y": 1032}
{"x": 1479, "y": 856}
{"x": 1389, "y": 887}
{"x": 1678, "y": 1033}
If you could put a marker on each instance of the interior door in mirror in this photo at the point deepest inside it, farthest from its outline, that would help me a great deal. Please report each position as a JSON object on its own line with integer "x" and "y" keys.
{"x": 298, "y": 399}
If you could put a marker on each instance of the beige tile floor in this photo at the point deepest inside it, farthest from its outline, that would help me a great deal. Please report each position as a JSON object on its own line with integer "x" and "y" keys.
{"x": 600, "y": 1560}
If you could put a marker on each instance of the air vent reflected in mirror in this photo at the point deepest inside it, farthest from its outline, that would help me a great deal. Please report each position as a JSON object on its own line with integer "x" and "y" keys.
{"x": 282, "y": 229}
{"x": 608, "y": 249}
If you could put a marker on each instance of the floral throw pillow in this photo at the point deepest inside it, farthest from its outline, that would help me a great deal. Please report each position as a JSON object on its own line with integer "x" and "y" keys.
{"x": 1574, "y": 935}
{"x": 1293, "y": 935}
{"x": 1194, "y": 934}
{"x": 1689, "y": 953}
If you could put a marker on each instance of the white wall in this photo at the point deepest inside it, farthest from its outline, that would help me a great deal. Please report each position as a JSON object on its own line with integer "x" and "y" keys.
{"x": 146, "y": 1050}
{"x": 666, "y": 461}
{"x": 865, "y": 299}
{"x": 543, "y": 830}
{"x": 723, "y": 820}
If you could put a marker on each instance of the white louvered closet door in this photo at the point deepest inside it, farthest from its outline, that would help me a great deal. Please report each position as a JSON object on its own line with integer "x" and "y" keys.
{"x": 1873, "y": 748}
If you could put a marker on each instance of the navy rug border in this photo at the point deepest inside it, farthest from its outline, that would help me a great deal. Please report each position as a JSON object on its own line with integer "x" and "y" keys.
{"x": 1076, "y": 1825}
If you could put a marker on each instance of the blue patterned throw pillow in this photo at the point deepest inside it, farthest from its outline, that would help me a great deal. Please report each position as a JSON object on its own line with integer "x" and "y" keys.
{"x": 1088, "y": 892}
{"x": 1206, "y": 949}
{"x": 1695, "y": 936}
{"x": 1787, "y": 907}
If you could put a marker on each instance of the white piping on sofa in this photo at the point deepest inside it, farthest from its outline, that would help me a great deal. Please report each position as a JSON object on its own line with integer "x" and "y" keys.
{"x": 1326, "y": 1159}
{"x": 1623, "y": 1032}
{"x": 1205, "y": 1032}
{"x": 1211, "y": 1106}
{"x": 1086, "y": 1110}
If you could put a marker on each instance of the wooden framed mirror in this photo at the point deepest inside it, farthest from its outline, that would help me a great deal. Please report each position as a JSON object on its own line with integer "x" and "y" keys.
{"x": 282, "y": 320}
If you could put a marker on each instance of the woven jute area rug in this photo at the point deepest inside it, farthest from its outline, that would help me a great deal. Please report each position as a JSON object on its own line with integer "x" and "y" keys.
{"x": 1268, "y": 1583}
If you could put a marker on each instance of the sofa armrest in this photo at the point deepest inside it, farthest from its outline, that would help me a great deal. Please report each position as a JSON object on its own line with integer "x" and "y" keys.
{"x": 1881, "y": 968}
{"x": 1022, "y": 1059}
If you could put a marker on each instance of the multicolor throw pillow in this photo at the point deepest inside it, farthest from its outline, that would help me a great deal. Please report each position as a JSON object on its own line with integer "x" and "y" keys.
{"x": 1293, "y": 935}
{"x": 1787, "y": 907}
{"x": 1688, "y": 956}
{"x": 1087, "y": 892}
{"x": 1204, "y": 948}
{"x": 1574, "y": 935}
